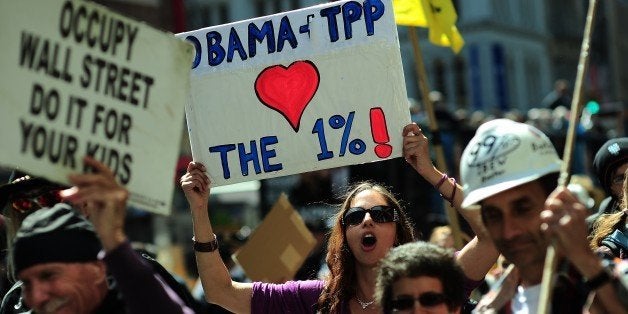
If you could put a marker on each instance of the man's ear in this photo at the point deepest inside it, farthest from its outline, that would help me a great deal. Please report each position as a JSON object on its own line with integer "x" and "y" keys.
{"x": 99, "y": 271}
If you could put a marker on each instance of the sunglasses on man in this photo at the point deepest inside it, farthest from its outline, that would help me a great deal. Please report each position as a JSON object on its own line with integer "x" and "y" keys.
{"x": 427, "y": 299}
{"x": 24, "y": 204}
{"x": 380, "y": 214}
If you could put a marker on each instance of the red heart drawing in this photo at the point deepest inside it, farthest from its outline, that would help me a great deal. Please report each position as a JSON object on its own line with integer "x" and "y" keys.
{"x": 288, "y": 90}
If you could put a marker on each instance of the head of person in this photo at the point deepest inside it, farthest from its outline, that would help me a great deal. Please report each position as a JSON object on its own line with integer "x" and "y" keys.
{"x": 436, "y": 97}
{"x": 442, "y": 236}
{"x": 369, "y": 223}
{"x": 420, "y": 276}
{"x": 55, "y": 255}
{"x": 509, "y": 169}
{"x": 609, "y": 165}
{"x": 606, "y": 224}
{"x": 561, "y": 86}
{"x": 21, "y": 196}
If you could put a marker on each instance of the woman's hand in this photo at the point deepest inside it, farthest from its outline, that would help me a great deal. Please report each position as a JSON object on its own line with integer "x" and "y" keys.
{"x": 196, "y": 185}
{"x": 416, "y": 149}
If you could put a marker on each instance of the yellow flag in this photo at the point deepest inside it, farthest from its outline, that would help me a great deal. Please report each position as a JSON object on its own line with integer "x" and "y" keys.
{"x": 438, "y": 15}
{"x": 444, "y": 17}
{"x": 409, "y": 13}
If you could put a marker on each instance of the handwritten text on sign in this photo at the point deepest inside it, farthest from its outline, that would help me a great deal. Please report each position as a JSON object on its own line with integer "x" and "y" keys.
{"x": 76, "y": 81}
{"x": 304, "y": 90}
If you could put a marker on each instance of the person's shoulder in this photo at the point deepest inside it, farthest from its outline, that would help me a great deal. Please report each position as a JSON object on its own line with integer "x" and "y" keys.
{"x": 12, "y": 302}
{"x": 176, "y": 283}
{"x": 617, "y": 241}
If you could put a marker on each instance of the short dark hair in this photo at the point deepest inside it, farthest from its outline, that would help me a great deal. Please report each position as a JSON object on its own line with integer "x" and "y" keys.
{"x": 417, "y": 259}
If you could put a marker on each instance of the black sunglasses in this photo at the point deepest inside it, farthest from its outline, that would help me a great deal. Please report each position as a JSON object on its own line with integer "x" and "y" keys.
{"x": 379, "y": 214}
{"x": 428, "y": 299}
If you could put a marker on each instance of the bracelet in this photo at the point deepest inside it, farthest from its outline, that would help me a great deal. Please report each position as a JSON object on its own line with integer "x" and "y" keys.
{"x": 453, "y": 193}
{"x": 440, "y": 182}
{"x": 205, "y": 246}
{"x": 598, "y": 280}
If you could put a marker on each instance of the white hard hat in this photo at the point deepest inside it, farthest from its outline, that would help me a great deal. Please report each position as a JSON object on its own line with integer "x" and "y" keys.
{"x": 504, "y": 154}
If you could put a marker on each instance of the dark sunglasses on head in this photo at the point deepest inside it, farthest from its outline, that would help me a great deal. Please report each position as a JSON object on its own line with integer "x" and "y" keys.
{"x": 379, "y": 214}
{"x": 428, "y": 299}
{"x": 25, "y": 204}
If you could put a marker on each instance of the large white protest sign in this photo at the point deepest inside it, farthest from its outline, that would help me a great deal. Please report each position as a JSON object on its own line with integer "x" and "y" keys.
{"x": 77, "y": 79}
{"x": 310, "y": 89}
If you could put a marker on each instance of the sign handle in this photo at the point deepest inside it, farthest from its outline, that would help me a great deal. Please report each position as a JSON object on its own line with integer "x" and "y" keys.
{"x": 576, "y": 107}
{"x": 452, "y": 215}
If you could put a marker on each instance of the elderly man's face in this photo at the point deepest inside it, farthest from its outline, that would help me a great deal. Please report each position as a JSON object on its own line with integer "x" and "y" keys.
{"x": 617, "y": 181}
{"x": 64, "y": 287}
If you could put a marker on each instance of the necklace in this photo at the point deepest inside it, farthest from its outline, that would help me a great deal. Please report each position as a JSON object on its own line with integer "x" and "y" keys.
{"x": 363, "y": 304}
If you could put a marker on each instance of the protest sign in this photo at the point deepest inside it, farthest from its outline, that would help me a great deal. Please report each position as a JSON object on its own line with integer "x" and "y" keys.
{"x": 77, "y": 79}
{"x": 304, "y": 90}
{"x": 282, "y": 239}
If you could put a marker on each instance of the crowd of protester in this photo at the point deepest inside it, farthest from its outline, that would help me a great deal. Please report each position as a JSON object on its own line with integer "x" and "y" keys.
{"x": 336, "y": 277}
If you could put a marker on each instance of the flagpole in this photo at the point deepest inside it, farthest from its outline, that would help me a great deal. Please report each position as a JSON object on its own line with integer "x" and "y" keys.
{"x": 565, "y": 172}
{"x": 452, "y": 214}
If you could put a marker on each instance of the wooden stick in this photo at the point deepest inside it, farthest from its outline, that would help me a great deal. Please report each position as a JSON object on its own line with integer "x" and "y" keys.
{"x": 576, "y": 107}
{"x": 452, "y": 214}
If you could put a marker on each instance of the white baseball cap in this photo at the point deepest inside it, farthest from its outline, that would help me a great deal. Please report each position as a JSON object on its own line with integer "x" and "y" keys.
{"x": 504, "y": 154}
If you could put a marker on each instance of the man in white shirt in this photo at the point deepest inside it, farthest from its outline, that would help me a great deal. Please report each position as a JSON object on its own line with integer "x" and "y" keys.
{"x": 511, "y": 170}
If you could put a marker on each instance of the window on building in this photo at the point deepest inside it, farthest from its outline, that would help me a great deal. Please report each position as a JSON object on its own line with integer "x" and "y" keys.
{"x": 222, "y": 13}
{"x": 528, "y": 17}
{"x": 533, "y": 85}
{"x": 268, "y": 7}
{"x": 207, "y": 14}
{"x": 439, "y": 76}
{"x": 502, "y": 11}
{"x": 460, "y": 82}
{"x": 514, "y": 92}
{"x": 294, "y": 4}
{"x": 260, "y": 8}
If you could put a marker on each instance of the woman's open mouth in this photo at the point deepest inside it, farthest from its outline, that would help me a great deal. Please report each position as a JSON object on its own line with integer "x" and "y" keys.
{"x": 368, "y": 242}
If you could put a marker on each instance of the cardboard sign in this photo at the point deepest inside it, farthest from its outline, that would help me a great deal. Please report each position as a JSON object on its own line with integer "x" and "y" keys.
{"x": 282, "y": 239}
{"x": 305, "y": 90}
{"x": 76, "y": 80}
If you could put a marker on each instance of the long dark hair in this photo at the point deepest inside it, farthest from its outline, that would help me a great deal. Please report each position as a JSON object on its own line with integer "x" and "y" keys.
{"x": 341, "y": 281}
{"x": 607, "y": 223}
